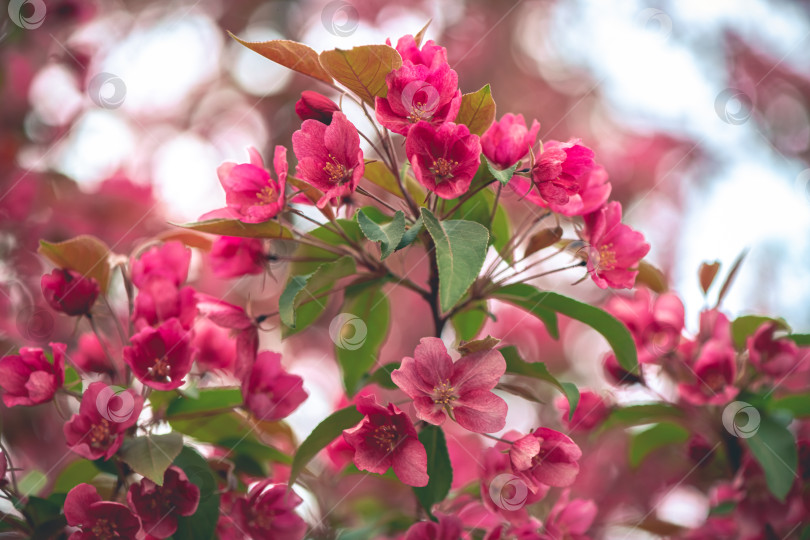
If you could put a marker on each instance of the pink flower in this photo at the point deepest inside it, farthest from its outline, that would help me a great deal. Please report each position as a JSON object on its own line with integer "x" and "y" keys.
{"x": 159, "y": 506}
{"x": 430, "y": 54}
{"x": 90, "y": 356}
{"x": 655, "y": 323}
{"x": 589, "y": 414}
{"x": 329, "y": 157}
{"x": 215, "y": 347}
{"x": 419, "y": 93}
{"x": 159, "y": 300}
{"x": 233, "y": 257}
{"x": 594, "y": 193}
{"x": 160, "y": 357}
{"x": 440, "y": 387}
{"x": 386, "y": 438}
{"x": 570, "y": 519}
{"x": 251, "y": 193}
{"x": 168, "y": 261}
{"x": 29, "y": 378}
{"x": 268, "y": 512}
{"x": 776, "y": 357}
{"x": 714, "y": 374}
{"x": 315, "y": 106}
{"x": 448, "y": 528}
{"x": 104, "y": 416}
{"x": 97, "y": 518}
{"x": 233, "y": 318}
{"x": 617, "y": 375}
{"x": 444, "y": 159}
{"x": 270, "y": 392}
{"x": 507, "y": 141}
{"x": 69, "y": 292}
{"x": 614, "y": 248}
{"x": 560, "y": 170}
{"x": 545, "y": 457}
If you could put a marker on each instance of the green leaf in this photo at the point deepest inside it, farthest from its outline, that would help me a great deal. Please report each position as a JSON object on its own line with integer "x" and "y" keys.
{"x": 77, "y": 472}
{"x": 311, "y": 285}
{"x": 234, "y": 227}
{"x": 410, "y": 234}
{"x": 323, "y": 434}
{"x": 381, "y": 376}
{"x": 365, "y": 315}
{"x": 745, "y": 326}
{"x": 657, "y": 436}
{"x": 477, "y": 110}
{"x": 203, "y": 523}
{"x": 525, "y": 296}
{"x": 439, "y": 469}
{"x": 259, "y": 451}
{"x": 538, "y": 370}
{"x": 723, "y": 509}
{"x": 151, "y": 455}
{"x": 362, "y": 69}
{"x": 380, "y": 175}
{"x": 210, "y": 399}
{"x": 645, "y": 413}
{"x": 84, "y": 254}
{"x": 802, "y": 340}
{"x": 388, "y": 235}
{"x": 616, "y": 334}
{"x": 32, "y": 483}
{"x": 469, "y": 322}
{"x": 774, "y": 448}
{"x": 798, "y": 405}
{"x": 461, "y": 247}
{"x": 478, "y": 208}
{"x": 290, "y": 54}
{"x": 501, "y": 175}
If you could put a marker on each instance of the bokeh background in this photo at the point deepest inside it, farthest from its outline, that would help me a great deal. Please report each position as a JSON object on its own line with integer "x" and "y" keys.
{"x": 115, "y": 116}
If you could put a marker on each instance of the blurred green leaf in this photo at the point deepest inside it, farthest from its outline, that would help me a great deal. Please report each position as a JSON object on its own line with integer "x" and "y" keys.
{"x": 234, "y": 227}
{"x": 203, "y": 523}
{"x": 210, "y": 399}
{"x": 745, "y": 326}
{"x": 659, "y": 435}
{"x": 439, "y": 469}
{"x": 774, "y": 448}
{"x": 538, "y": 370}
{"x": 307, "y": 287}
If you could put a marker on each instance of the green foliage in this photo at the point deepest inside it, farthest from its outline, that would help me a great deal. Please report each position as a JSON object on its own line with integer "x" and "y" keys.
{"x": 202, "y": 524}
{"x": 151, "y": 455}
{"x": 234, "y": 227}
{"x": 538, "y": 370}
{"x": 774, "y": 448}
{"x": 439, "y": 469}
{"x": 657, "y": 436}
{"x": 387, "y": 234}
{"x": 309, "y": 287}
{"x": 477, "y": 110}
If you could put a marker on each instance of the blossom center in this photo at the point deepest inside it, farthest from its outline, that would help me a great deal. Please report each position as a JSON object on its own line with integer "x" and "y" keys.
{"x": 99, "y": 433}
{"x": 420, "y": 110}
{"x": 268, "y": 195}
{"x": 337, "y": 172}
{"x": 715, "y": 381}
{"x": 607, "y": 257}
{"x": 161, "y": 369}
{"x": 538, "y": 458}
{"x": 386, "y": 437}
{"x": 443, "y": 169}
{"x": 103, "y": 528}
{"x": 444, "y": 394}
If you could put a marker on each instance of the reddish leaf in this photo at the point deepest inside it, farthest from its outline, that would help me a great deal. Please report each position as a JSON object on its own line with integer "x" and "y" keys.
{"x": 290, "y": 54}
{"x": 477, "y": 110}
{"x": 362, "y": 69}
{"x": 84, "y": 254}
{"x": 707, "y": 273}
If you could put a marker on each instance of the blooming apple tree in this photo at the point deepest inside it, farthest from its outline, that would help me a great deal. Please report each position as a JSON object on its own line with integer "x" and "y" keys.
{"x": 176, "y": 414}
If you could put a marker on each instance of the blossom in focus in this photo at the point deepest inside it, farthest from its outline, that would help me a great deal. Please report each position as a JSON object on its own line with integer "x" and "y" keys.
{"x": 69, "y": 292}
{"x": 233, "y": 257}
{"x": 386, "y": 438}
{"x": 545, "y": 457}
{"x": 315, "y": 106}
{"x": 429, "y": 55}
{"x": 419, "y": 93}
{"x": 270, "y": 392}
{"x": 614, "y": 248}
{"x": 463, "y": 389}
{"x": 269, "y": 512}
{"x": 29, "y": 378}
{"x": 559, "y": 171}
{"x": 329, "y": 157}
{"x": 160, "y": 357}
{"x": 97, "y": 518}
{"x": 104, "y": 416}
{"x": 508, "y": 140}
{"x": 159, "y": 506}
{"x": 444, "y": 159}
